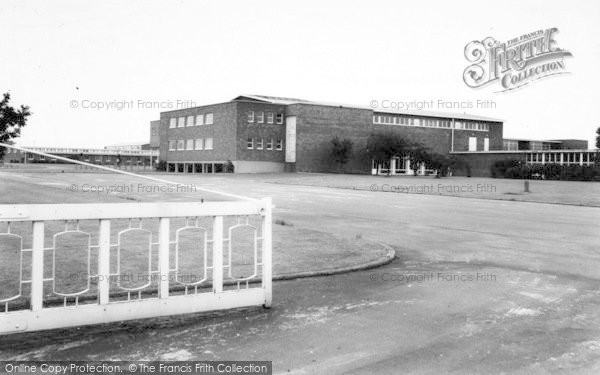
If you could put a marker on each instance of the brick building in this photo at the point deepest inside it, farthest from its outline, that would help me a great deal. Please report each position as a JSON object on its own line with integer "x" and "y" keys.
{"x": 271, "y": 134}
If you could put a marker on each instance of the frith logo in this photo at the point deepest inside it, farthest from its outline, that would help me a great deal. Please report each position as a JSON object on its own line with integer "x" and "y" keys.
{"x": 514, "y": 63}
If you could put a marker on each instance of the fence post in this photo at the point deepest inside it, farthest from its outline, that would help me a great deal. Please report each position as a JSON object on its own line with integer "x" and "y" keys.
{"x": 218, "y": 254}
{"x": 37, "y": 266}
{"x": 104, "y": 262}
{"x": 267, "y": 252}
{"x": 163, "y": 257}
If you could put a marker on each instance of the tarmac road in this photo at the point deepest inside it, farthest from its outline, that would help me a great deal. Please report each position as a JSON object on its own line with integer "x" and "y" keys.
{"x": 407, "y": 317}
{"x": 479, "y": 286}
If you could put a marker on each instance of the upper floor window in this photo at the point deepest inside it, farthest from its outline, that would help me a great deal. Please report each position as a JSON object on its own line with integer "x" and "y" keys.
{"x": 208, "y": 144}
{"x": 251, "y": 116}
{"x": 269, "y": 144}
{"x": 279, "y": 118}
{"x": 250, "y": 144}
{"x": 259, "y": 144}
{"x": 181, "y": 122}
{"x": 199, "y": 120}
{"x": 180, "y": 144}
{"x": 189, "y": 144}
{"x": 172, "y": 145}
{"x": 269, "y": 117}
{"x": 190, "y": 121}
{"x": 261, "y": 117}
{"x": 279, "y": 145}
{"x": 209, "y": 119}
{"x": 172, "y": 122}
{"x": 199, "y": 144}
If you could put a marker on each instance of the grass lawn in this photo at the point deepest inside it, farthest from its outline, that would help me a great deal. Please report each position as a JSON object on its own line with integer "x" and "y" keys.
{"x": 295, "y": 249}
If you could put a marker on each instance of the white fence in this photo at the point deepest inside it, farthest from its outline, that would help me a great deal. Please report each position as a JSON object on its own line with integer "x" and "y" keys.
{"x": 43, "y": 246}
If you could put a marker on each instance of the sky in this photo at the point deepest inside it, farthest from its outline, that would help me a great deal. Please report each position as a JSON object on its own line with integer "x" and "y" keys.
{"x": 67, "y": 59}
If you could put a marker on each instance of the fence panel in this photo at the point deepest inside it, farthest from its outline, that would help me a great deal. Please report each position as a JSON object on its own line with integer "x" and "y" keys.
{"x": 76, "y": 264}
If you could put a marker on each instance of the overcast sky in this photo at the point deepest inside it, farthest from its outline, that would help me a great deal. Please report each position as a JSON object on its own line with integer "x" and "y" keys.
{"x": 57, "y": 53}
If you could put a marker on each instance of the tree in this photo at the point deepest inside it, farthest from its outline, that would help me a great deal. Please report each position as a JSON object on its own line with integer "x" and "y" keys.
{"x": 11, "y": 121}
{"x": 598, "y": 137}
{"x": 418, "y": 155}
{"x": 384, "y": 146}
{"x": 341, "y": 150}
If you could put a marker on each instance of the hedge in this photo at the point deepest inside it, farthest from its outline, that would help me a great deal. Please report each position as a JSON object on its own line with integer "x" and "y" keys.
{"x": 518, "y": 169}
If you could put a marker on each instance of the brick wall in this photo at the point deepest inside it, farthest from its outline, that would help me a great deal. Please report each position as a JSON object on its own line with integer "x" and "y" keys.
{"x": 262, "y": 131}
{"x": 317, "y": 125}
{"x": 222, "y": 131}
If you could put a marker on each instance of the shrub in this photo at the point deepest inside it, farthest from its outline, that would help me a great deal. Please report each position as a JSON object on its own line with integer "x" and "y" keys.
{"x": 520, "y": 170}
{"x": 229, "y": 167}
{"x": 161, "y": 166}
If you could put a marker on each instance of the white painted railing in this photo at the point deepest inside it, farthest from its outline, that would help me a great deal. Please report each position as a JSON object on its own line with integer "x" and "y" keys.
{"x": 29, "y": 234}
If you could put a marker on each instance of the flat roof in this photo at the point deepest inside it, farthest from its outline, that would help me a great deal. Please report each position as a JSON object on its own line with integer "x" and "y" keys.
{"x": 288, "y": 101}
{"x": 529, "y": 140}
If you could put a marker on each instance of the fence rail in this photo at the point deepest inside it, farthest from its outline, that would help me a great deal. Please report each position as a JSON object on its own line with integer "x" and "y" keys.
{"x": 43, "y": 241}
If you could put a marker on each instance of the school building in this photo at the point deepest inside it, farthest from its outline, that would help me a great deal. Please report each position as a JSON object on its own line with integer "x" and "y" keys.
{"x": 257, "y": 133}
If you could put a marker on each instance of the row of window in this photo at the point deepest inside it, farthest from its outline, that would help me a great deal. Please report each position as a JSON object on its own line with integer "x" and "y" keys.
{"x": 431, "y": 123}
{"x": 561, "y": 157}
{"x": 182, "y": 122}
{"x": 258, "y": 144}
{"x": 259, "y": 117}
{"x": 469, "y": 125}
{"x": 191, "y": 144}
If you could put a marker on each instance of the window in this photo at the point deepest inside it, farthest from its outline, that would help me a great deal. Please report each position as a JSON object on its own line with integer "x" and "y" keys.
{"x": 486, "y": 144}
{"x": 190, "y": 121}
{"x": 279, "y": 118}
{"x": 261, "y": 117}
{"x": 181, "y": 122}
{"x": 180, "y": 144}
{"x": 279, "y": 146}
{"x": 208, "y": 144}
{"x": 172, "y": 145}
{"x": 199, "y": 144}
{"x": 472, "y": 144}
{"x": 173, "y": 123}
{"x": 209, "y": 119}
{"x": 250, "y": 144}
{"x": 189, "y": 144}
{"x": 259, "y": 144}
{"x": 154, "y": 132}
{"x": 199, "y": 120}
{"x": 269, "y": 144}
{"x": 269, "y": 117}
{"x": 251, "y": 116}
